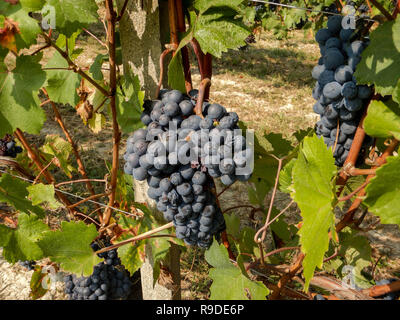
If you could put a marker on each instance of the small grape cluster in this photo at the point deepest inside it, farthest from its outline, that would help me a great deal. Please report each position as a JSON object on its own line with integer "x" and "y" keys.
{"x": 108, "y": 281}
{"x": 179, "y": 153}
{"x": 29, "y": 264}
{"x": 8, "y": 148}
{"x": 340, "y": 101}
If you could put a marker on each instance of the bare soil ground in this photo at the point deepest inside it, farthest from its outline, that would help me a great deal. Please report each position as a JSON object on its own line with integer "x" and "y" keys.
{"x": 269, "y": 85}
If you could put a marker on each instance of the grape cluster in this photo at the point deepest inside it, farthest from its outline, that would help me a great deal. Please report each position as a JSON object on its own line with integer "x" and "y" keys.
{"x": 340, "y": 101}
{"x": 108, "y": 280}
{"x": 179, "y": 153}
{"x": 8, "y": 148}
{"x": 29, "y": 264}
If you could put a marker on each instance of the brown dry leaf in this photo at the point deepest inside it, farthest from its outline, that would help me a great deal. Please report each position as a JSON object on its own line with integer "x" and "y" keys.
{"x": 84, "y": 108}
{"x": 7, "y": 34}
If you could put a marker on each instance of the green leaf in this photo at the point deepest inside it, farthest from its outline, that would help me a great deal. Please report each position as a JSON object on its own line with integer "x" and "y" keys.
{"x": 383, "y": 198}
{"x": 72, "y": 15}
{"x": 240, "y": 286}
{"x": 383, "y": 119}
{"x": 132, "y": 255}
{"x": 204, "y": 5}
{"x": 32, "y": 5}
{"x": 62, "y": 84}
{"x": 62, "y": 40}
{"x": 70, "y": 247}
{"x": 381, "y": 59}
{"x": 217, "y": 30}
{"x": 176, "y": 75}
{"x": 19, "y": 103}
{"x": 56, "y": 147}
{"x": 22, "y": 243}
{"x": 285, "y": 177}
{"x": 313, "y": 190}
{"x": 232, "y": 222}
{"x": 95, "y": 68}
{"x": 356, "y": 250}
{"x": 5, "y": 234}
{"x": 129, "y": 107}
{"x": 14, "y": 192}
{"x": 40, "y": 193}
{"x": 280, "y": 146}
{"x": 97, "y": 122}
{"x": 28, "y": 27}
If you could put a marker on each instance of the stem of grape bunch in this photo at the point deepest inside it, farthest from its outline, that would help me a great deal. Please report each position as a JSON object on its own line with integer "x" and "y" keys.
{"x": 111, "y": 21}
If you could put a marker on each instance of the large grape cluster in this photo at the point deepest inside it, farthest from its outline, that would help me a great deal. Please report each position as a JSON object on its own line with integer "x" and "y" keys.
{"x": 179, "y": 153}
{"x": 340, "y": 101}
{"x": 8, "y": 148}
{"x": 108, "y": 281}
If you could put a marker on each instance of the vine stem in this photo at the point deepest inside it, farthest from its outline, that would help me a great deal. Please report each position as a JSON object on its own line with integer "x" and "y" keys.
{"x": 81, "y": 166}
{"x": 79, "y": 181}
{"x": 34, "y": 157}
{"x": 350, "y": 195}
{"x": 184, "y": 51}
{"x": 71, "y": 141}
{"x": 142, "y": 236}
{"x": 382, "y": 9}
{"x": 111, "y": 20}
{"x": 377, "y": 291}
{"x": 162, "y": 58}
{"x": 348, "y": 217}
{"x": 74, "y": 67}
{"x": 263, "y": 230}
{"x": 93, "y": 197}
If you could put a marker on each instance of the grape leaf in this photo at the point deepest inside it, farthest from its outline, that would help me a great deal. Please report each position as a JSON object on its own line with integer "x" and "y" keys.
{"x": 383, "y": 119}
{"x": 72, "y": 15}
{"x": 381, "y": 59}
{"x": 129, "y": 105}
{"x": 217, "y": 30}
{"x": 356, "y": 250}
{"x": 19, "y": 103}
{"x": 14, "y": 192}
{"x": 56, "y": 147}
{"x": 313, "y": 190}
{"x": 62, "y": 84}
{"x": 95, "y": 68}
{"x": 396, "y": 93}
{"x": 27, "y": 26}
{"x": 280, "y": 146}
{"x": 383, "y": 198}
{"x": 176, "y": 75}
{"x": 62, "y": 40}
{"x": 32, "y": 5}
{"x": 97, "y": 122}
{"x": 132, "y": 255}
{"x": 232, "y": 222}
{"x": 285, "y": 176}
{"x": 40, "y": 193}
{"x": 204, "y": 5}
{"x": 70, "y": 247}
{"x": 22, "y": 243}
{"x": 223, "y": 272}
